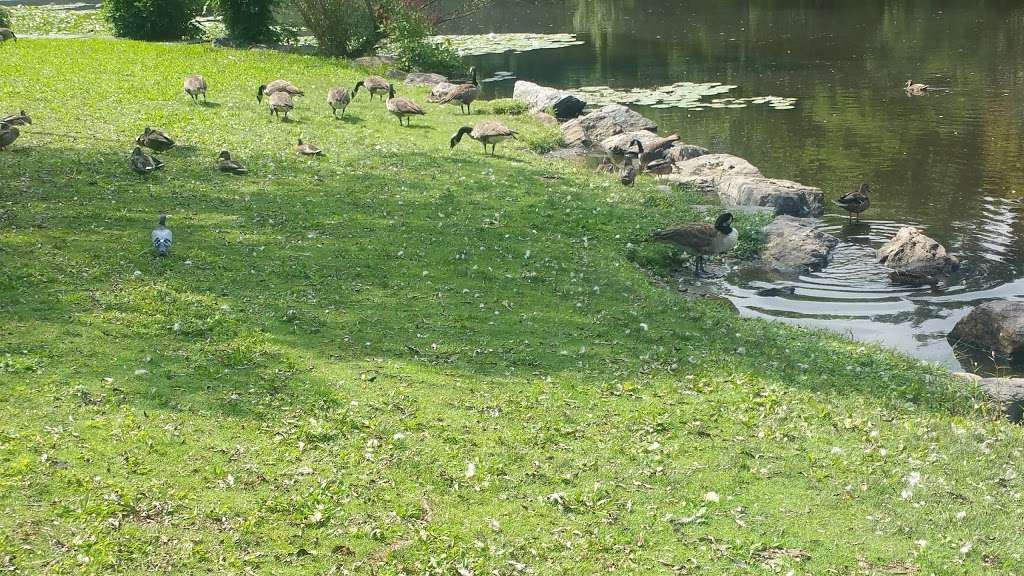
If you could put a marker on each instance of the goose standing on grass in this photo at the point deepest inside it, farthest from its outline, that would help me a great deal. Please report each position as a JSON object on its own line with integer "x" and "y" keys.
{"x": 402, "y": 107}
{"x": 307, "y": 149}
{"x": 194, "y": 85}
{"x": 280, "y": 102}
{"x": 275, "y": 87}
{"x": 855, "y": 202}
{"x": 913, "y": 88}
{"x": 464, "y": 94}
{"x": 154, "y": 140}
{"x": 143, "y": 163}
{"x": 8, "y": 134}
{"x": 161, "y": 237}
{"x": 701, "y": 239}
{"x": 7, "y": 34}
{"x": 338, "y": 98}
{"x": 488, "y": 133}
{"x": 628, "y": 173}
{"x": 374, "y": 84}
{"x": 226, "y": 164}
{"x": 19, "y": 119}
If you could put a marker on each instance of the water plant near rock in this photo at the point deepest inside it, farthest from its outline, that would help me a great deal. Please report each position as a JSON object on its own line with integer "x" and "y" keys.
{"x": 477, "y": 44}
{"x": 690, "y": 95}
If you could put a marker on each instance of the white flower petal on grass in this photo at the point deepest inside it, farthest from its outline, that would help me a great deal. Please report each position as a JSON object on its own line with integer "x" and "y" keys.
{"x": 712, "y": 497}
{"x": 470, "y": 469}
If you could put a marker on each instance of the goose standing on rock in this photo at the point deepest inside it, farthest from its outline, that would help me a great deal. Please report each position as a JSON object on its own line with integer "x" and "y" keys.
{"x": 488, "y": 133}
{"x": 375, "y": 85}
{"x": 226, "y": 164}
{"x": 143, "y": 163}
{"x": 8, "y": 134}
{"x": 855, "y": 202}
{"x": 161, "y": 237}
{"x": 155, "y": 140}
{"x": 701, "y": 239}
{"x": 402, "y": 107}
{"x": 275, "y": 87}
{"x": 7, "y": 34}
{"x": 338, "y": 98}
{"x": 280, "y": 102}
{"x": 307, "y": 149}
{"x": 194, "y": 85}
{"x": 464, "y": 94}
{"x": 19, "y": 119}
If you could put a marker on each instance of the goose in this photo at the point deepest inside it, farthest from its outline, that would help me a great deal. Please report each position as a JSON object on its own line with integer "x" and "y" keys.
{"x": 628, "y": 173}
{"x": 855, "y": 202}
{"x": 279, "y": 102}
{"x": 143, "y": 163}
{"x": 913, "y": 88}
{"x": 7, "y": 34}
{"x": 701, "y": 239}
{"x": 154, "y": 140}
{"x": 402, "y": 107}
{"x": 19, "y": 119}
{"x": 338, "y": 98}
{"x": 487, "y": 132}
{"x": 438, "y": 91}
{"x": 161, "y": 237}
{"x": 307, "y": 149}
{"x": 277, "y": 86}
{"x": 8, "y": 134}
{"x": 464, "y": 94}
{"x": 194, "y": 85}
{"x": 226, "y": 164}
{"x": 375, "y": 84}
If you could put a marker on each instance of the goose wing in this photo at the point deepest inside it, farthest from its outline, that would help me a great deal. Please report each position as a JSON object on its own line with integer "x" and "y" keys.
{"x": 490, "y": 129}
{"x": 375, "y": 83}
{"x": 460, "y": 92}
{"x": 404, "y": 105}
{"x": 695, "y": 235}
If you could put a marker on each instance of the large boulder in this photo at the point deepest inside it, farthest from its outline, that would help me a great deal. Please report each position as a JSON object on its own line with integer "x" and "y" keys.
{"x": 372, "y": 61}
{"x": 424, "y": 79}
{"x": 794, "y": 245}
{"x": 539, "y": 98}
{"x": 997, "y": 325}
{"x": 620, "y": 142}
{"x": 784, "y": 196}
{"x": 1008, "y": 393}
{"x": 603, "y": 123}
{"x": 910, "y": 249}
{"x": 706, "y": 172}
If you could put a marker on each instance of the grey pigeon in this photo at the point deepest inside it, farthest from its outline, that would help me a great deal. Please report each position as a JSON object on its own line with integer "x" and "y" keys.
{"x": 161, "y": 237}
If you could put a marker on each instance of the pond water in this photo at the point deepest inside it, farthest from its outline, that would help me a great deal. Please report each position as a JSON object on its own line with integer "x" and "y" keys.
{"x": 951, "y": 163}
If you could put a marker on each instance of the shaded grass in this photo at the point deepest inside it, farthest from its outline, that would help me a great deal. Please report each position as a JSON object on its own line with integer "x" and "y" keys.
{"x": 400, "y": 359}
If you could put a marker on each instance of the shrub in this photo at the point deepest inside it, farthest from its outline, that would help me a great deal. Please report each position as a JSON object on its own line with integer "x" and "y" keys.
{"x": 508, "y": 106}
{"x": 249, "y": 21}
{"x": 5, "y": 17}
{"x": 153, "y": 19}
{"x": 341, "y": 27}
{"x": 407, "y": 29}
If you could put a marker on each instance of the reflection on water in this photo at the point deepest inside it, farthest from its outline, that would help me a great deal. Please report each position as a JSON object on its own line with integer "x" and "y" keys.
{"x": 951, "y": 162}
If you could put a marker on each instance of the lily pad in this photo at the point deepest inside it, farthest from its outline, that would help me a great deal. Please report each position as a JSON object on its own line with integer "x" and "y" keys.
{"x": 476, "y": 44}
{"x": 678, "y": 95}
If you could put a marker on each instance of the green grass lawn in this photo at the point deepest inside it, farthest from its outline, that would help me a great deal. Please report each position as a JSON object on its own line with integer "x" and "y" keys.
{"x": 400, "y": 360}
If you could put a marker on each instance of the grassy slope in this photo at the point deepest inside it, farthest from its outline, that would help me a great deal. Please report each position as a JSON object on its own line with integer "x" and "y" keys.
{"x": 302, "y": 385}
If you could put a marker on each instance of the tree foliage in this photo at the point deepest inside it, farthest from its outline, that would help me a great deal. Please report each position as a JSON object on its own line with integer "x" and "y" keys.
{"x": 152, "y": 19}
{"x": 249, "y": 21}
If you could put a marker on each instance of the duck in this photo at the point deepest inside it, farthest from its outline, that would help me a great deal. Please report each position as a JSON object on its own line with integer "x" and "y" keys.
{"x": 8, "y": 134}
{"x": 913, "y": 88}
{"x": 194, "y": 85}
{"x": 628, "y": 173}
{"x": 280, "y": 102}
{"x": 161, "y": 237}
{"x": 661, "y": 167}
{"x": 7, "y": 34}
{"x": 402, "y": 107}
{"x": 143, "y": 163}
{"x": 855, "y": 202}
{"x": 277, "y": 86}
{"x": 154, "y": 140}
{"x": 307, "y": 149}
{"x": 487, "y": 132}
{"x": 226, "y": 164}
{"x": 375, "y": 84}
{"x": 338, "y": 98}
{"x": 19, "y": 119}
{"x": 701, "y": 239}
{"x": 464, "y": 94}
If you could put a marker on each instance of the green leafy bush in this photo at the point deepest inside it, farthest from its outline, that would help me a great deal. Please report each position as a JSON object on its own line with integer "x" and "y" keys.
{"x": 341, "y": 27}
{"x": 5, "y": 17}
{"x": 249, "y": 21}
{"x": 508, "y": 106}
{"x": 153, "y": 19}
{"x": 407, "y": 29}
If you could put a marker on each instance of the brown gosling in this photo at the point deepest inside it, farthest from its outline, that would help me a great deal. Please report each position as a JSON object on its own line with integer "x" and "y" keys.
{"x": 194, "y": 85}
{"x": 226, "y": 164}
{"x": 307, "y": 149}
{"x": 402, "y": 107}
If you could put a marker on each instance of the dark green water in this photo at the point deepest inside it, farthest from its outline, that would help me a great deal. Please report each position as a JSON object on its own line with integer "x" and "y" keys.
{"x": 951, "y": 162}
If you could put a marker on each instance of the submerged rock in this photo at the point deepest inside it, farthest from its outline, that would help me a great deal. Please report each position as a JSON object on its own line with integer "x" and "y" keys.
{"x": 794, "y": 245}
{"x": 539, "y": 98}
{"x": 997, "y": 325}
{"x": 604, "y": 123}
{"x": 910, "y": 249}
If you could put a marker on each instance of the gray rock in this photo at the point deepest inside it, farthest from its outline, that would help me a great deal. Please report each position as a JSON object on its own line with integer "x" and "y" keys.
{"x": 681, "y": 152}
{"x": 617, "y": 144}
{"x": 396, "y": 74}
{"x": 545, "y": 118}
{"x": 910, "y": 249}
{"x": 793, "y": 245}
{"x": 424, "y": 79}
{"x": 574, "y": 153}
{"x": 704, "y": 173}
{"x": 784, "y": 196}
{"x": 997, "y": 325}
{"x": 1007, "y": 393}
{"x": 540, "y": 98}
{"x": 603, "y": 123}
{"x": 371, "y": 61}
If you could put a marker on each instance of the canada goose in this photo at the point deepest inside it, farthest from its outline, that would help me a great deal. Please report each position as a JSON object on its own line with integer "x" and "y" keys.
{"x": 161, "y": 237}
{"x": 438, "y": 91}
{"x": 375, "y": 84}
{"x": 154, "y": 140}
{"x": 7, "y": 34}
{"x": 226, "y": 164}
{"x": 194, "y": 85}
{"x": 280, "y": 102}
{"x": 912, "y": 88}
{"x": 338, "y": 98}
{"x": 464, "y": 94}
{"x": 855, "y": 202}
{"x": 628, "y": 173}
{"x": 143, "y": 163}
{"x": 654, "y": 150}
{"x": 402, "y": 107}
{"x": 277, "y": 86}
{"x": 19, "y": 119}
{"x": 488, "y": 133}
{"x": 701, "y": 239}
{"x": 8, "y": 134}
{"x": 307, "y": 149}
